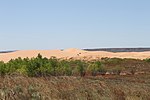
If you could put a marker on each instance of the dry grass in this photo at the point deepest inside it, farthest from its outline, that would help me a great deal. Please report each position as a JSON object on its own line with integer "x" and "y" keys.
{"x": 75, "y": 88}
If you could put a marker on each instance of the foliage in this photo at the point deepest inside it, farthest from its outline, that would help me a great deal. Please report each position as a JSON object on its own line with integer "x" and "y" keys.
{"x": 40, "y": 66}
{"x": 2, "y": 68}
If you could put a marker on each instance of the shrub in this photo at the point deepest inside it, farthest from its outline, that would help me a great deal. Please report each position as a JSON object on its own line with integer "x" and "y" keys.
{"x": 81, "y": 68}
{"x": 96, "y": 68}
{"x": 64, "y": 68}
{"x": 147, "y": 59}
{"x": 2, "y": 68}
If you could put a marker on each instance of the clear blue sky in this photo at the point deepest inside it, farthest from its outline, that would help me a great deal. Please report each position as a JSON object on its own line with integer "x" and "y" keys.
{"x": 60, "y": 24}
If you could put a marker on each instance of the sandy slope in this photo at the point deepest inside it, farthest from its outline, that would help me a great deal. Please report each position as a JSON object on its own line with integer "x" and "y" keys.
{"x": 72, "y": 53}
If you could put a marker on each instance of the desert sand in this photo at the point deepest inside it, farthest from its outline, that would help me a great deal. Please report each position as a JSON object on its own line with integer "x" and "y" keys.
{"x": 72, "y": 54}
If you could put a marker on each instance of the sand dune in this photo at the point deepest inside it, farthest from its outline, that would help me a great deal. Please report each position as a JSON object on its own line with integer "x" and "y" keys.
{"x": 72, "y": 53}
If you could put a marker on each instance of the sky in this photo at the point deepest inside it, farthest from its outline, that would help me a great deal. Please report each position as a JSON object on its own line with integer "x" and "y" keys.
{"x": 61, "y": 24}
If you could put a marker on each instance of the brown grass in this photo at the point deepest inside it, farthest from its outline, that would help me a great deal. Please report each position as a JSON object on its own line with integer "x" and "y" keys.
{"x": 75, "y": 88}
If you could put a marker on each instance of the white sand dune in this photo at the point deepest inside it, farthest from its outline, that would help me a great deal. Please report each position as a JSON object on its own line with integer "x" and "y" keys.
{"x": 72, "y": 53}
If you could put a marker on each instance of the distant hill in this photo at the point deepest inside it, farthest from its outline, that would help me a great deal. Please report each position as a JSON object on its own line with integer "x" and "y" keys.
{"x": 7, "y": 51}
{"x": 120, "y": 49}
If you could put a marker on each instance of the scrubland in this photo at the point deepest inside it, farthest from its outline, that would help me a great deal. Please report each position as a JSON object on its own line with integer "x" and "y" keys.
{"x": 40, "y": 78}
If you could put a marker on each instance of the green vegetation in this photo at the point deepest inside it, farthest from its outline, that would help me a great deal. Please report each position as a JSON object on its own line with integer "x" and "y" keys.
{"x": 39, "y": 66}
{"x": 96, "y": 68}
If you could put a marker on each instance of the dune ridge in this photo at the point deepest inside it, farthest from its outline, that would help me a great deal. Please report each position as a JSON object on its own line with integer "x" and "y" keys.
{"x": 72, "y": 53}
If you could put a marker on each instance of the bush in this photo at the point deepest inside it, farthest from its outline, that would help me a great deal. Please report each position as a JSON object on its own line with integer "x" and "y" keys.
{"x": 64, "y": 68}
{"x": 2, "y": 68}
{"x": 96, "y": 68}
{"x": 81, "y": 66}
{"x": 147, "y": 59}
